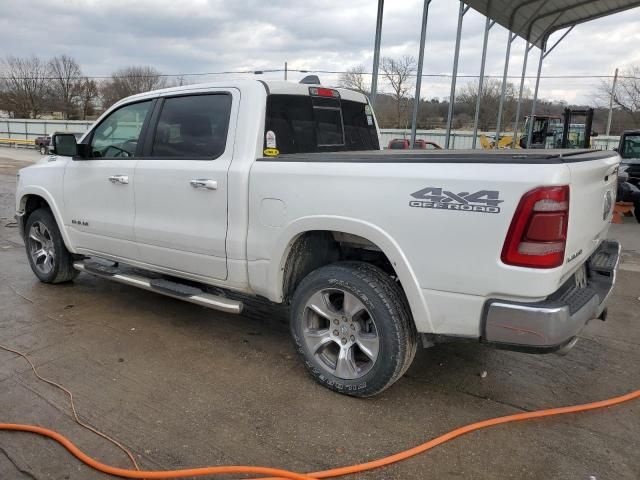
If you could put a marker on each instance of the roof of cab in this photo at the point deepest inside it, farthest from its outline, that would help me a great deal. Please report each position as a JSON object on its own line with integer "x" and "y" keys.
{"x": 270, "y": 86}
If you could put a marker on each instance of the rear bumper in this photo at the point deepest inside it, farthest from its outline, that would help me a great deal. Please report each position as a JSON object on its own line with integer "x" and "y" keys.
{"x": 552, "y": 324}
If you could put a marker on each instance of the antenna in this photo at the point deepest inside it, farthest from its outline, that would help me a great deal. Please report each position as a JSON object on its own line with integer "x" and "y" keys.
{"x": 311, "y": 80}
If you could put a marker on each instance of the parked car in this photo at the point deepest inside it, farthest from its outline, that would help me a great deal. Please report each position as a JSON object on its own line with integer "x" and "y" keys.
{"x": 42, "y": 144}
{"x": 404, "y": 144}
{"x": 280, "y": 190}
{"x": 629, "y": 150}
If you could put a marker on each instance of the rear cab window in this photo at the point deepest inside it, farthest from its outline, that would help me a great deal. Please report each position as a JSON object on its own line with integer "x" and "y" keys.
{"x": 318, "y": 123}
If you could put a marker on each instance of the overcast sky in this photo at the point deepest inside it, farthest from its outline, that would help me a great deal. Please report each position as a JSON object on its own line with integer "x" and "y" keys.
{"x": 191, "y": 36}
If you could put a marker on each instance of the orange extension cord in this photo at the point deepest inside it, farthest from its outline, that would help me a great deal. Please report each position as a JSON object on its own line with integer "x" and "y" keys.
{"x": 335, "y": 472}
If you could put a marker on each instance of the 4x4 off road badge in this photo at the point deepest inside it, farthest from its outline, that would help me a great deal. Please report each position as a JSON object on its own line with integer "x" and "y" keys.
{"x": 483, "y": 201}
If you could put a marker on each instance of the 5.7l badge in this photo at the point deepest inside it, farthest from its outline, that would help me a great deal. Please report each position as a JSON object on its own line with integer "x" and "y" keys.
{"x": 483, "y": 201}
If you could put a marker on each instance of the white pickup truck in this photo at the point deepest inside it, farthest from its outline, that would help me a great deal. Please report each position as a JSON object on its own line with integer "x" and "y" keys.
{"x": 280, "y": 190}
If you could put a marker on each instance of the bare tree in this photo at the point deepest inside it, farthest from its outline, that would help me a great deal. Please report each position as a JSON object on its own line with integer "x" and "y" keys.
{"x": 66, "y": 78}
{"x": 489, "y": 102}
{"x": 398, "y": 73}
{"x": 23, "y": 86}
{"x": 626, "y": 96}
{"x": 87, "y": 96}
{"x": 129, "y": 81}
{"x": 354, "y": 79}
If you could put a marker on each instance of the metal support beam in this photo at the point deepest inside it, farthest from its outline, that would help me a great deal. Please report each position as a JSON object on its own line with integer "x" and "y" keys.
{"x": 487, "y": 26}
{"x": 535, "y": 97}
{"x": 613, "y": 93}
{"x": 547, "y": 51}
{"x": 376, "y": 54}
{"x": 416, "y": 98}
{"x": 527, "y": 49}
{"x": 503, "y": 92}
{"x": 543, "y": 54}
{"x": 454, "y": 75}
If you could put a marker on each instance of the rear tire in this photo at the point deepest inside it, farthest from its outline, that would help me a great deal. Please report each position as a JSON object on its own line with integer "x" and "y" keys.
{"x": 48, "y": 256}
{"x": 43, "y": 150}
{"x": 351, "y": 325}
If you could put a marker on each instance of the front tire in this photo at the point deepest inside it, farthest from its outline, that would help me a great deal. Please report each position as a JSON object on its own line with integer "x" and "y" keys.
{"x": 351, "y": 325}
{"x": 48, "y": 256}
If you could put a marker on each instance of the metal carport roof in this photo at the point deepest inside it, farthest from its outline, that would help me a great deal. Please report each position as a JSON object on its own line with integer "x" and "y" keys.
{"x": 535, "y": 20}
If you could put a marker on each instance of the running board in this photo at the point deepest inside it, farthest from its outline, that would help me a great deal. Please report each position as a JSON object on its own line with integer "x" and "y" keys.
{"x": 164, "y": 287}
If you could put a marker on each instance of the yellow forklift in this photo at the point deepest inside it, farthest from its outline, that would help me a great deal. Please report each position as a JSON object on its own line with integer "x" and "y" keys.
{"x": 556, "y": 132}
{"x": 551, "y": 131}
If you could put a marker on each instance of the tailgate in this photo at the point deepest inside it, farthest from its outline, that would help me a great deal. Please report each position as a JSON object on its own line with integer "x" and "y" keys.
{"x": 592, "y": 197}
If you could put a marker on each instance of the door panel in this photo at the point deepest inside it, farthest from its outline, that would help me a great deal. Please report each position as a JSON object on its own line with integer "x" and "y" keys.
{"x": 100, "y": 212}
{"x": 99, "y": 191}
{"x": 181, "y": 185}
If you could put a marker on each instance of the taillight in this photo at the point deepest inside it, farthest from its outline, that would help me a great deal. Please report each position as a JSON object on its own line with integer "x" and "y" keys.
{"x": 538, "y": 232}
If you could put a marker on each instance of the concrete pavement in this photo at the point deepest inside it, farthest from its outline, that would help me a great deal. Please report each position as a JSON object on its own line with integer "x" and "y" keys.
{"x": 184, "y": 386}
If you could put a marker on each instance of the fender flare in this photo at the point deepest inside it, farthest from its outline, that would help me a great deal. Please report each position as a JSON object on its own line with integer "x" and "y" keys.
{"x": 47, "y": 197}
{"x": 361, "y": 228}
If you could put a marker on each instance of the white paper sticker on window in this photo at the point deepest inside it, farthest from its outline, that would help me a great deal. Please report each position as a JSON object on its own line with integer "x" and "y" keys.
{"x": 271, "y": 139}
{"x": 370, "y": 119}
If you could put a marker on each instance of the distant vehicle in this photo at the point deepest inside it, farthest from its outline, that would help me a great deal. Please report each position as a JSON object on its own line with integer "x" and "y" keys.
{"x": 42, "y": 143}
{"x": 404, "y": 144}
{"x": 629, "y": 150}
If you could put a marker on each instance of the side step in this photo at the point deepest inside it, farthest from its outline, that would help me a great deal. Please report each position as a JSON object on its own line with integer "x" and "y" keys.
{"x": 164, "y": 287}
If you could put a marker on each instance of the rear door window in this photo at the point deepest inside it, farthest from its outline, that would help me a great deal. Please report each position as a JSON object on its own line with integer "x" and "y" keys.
{"x": 305, "y": 124}
{"x": 192, "y": 127}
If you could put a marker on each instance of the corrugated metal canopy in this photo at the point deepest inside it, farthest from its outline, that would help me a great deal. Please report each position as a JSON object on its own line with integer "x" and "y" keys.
{"x": 535, "y": 20}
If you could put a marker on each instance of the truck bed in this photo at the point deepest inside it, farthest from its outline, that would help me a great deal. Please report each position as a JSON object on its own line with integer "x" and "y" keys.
{"x": 555, "y": 156}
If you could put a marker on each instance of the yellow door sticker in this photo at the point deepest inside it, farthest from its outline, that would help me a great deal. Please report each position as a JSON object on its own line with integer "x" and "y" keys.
{"x": 271, "y": 152}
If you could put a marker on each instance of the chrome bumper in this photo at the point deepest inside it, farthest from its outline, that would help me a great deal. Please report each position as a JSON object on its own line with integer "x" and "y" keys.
{"x": 552, "y": 324}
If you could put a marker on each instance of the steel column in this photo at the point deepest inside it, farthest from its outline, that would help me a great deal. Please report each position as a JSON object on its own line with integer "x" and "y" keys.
{"x": 454, "y": 75}
{"x": 487, "y": 26}
{"x": 543, "y": 54}
{"x": 376, "y": 54}
{"x": 416, "y": 98}
{"x": 535, "y": 97}
{"x": 503, "y": 91}
{"x": 527, "y": 49}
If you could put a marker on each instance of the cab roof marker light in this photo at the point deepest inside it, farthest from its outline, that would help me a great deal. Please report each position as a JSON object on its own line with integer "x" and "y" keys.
{"x": 323, "y": 92}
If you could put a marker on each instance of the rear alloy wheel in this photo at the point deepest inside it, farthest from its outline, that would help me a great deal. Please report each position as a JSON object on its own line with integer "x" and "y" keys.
{"x": 43, "y": 150}
{"x": 351, "y": 325}
{"x": 340, "y": 333}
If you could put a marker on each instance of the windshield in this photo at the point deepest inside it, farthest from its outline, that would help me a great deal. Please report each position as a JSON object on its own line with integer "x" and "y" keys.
{"x": 631, "y": 146}
{"x": 305, "y": 124}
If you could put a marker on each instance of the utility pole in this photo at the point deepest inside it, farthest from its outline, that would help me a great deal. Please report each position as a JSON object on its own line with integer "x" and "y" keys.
{"x": 613, "y": 92}
{"x": 285, "y": 71}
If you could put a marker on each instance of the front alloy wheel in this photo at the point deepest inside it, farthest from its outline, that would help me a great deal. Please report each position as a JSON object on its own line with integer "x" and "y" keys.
{"x": 48, "y": 256}
{"x": 41, "y": 248}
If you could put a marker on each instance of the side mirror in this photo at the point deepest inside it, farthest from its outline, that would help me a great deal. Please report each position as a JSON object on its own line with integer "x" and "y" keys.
{"x": 615, "y": 149}
{"x": 594, "y": 134}
{"x": 63, "y": 144}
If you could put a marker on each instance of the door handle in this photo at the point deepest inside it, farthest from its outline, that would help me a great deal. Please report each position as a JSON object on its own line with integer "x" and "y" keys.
{"x": 205, "y": 183}
{"x": 121, "y": 179}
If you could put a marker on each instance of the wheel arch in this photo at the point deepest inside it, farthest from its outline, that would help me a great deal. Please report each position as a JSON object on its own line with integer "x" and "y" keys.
{"x": 31, "y": 199}
{"x": 280, "y": 276}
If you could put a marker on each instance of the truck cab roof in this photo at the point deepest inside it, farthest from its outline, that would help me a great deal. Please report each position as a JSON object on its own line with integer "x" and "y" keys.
{"x": 279, "y": 87}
